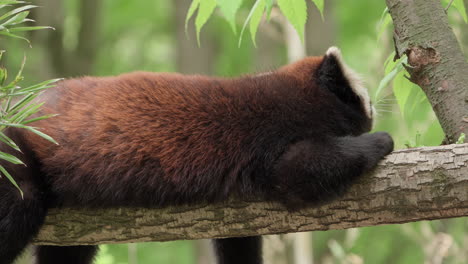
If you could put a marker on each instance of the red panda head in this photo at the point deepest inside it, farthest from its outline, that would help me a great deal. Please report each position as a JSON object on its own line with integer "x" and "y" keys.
{"x": 338, "y": 87}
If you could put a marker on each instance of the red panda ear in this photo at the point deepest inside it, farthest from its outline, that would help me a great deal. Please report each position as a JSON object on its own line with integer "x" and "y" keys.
{"x": 331, "y": 76}
{"x": 334, "y": 75}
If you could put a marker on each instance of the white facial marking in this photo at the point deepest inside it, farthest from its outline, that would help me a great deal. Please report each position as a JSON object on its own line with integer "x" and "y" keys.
{"x": 354, "y": 80}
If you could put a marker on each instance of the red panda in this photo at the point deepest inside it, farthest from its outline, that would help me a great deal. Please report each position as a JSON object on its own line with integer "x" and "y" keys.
{"x": 297, "y": 135}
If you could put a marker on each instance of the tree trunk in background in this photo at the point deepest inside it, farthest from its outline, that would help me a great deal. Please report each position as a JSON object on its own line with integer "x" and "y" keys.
{"x": 204, "y": 251}
{"x": 302, "y": 248}
{"x": 51, "y": 41}
{"x": 320, "y": 34}
{"x": 436, "y": 62}
{"x": 86, "y": 50}
{"x": 270, "y": 45}
{"x": 191, "y": 58}
{"x": 61, "y": 62}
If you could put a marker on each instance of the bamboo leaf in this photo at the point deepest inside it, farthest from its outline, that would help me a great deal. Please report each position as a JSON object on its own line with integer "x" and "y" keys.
{"x": 16, "y": 19}
{"x": 8, "y": 124}
{"x": 10, "y": 178}
{"x": 32, "y": 120}
{"x": 8, "y": 141}
{"x": 229, "y": 9}
{"x": 16, "y": 11}
{"x": 41, "y": 134}
{"x": 41, "y": 85}
{"x": 25, "y": 113}
{"x": 296, "y": 12}
{"x": 19, "y": 76}
{"x": 14, "y": 36}
{"x": 10, "y": 158}
{"x": 11, "y": 2}
{"x": 205, "y": 10}
{"x": 20, "y": 29}
{"x": 3, "y": 75}
{"x": 22, "y": 102}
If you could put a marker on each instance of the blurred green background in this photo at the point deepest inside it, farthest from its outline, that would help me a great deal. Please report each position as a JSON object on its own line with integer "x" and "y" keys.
{"x": 108, "y": 37}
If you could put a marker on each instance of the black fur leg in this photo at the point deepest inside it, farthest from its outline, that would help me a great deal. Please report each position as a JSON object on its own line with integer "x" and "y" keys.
{"x": 315, "y": 171}
{"x": 68, "y": 255}
{"x": 20, "y": 218}
{"x": 245, "y": 250}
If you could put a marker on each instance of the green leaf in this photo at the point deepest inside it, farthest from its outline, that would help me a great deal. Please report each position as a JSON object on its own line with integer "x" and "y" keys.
{"x": 4, "y": 124}
{"x": 255, "y": 19}
{"x": 21, "y": 103}
{"x": 37, "y": 87}
{"x": 401, "y": 89}
{"x": 16, "y": 11}
{"x": 16, "y": 19}
{"x": 461, "y": 139}
{"x": 193, "y": 7}
{"x": 3, "y": 75}
{"x": 25, "y": 113}
{"x": 460, "y": 6}
{"x": 205, "y": 10}
{"x": 20, "y": 29}
{"x": 19, "y": 75}
{"x": 390, "y": 62}
{"x": 14, "y": 36}
{"x": 9, "y": 177}
{"x": 11, "y": 2}
{"x": 320, "y": 4}
{"x": 269, "y": 7}
{"x": 247, "y": 20}
{"x": 44, "y": 136}
{"x": 5, "y": 139}
{"x": 296, "y": 12}
{"x": 32, "y": 129}
{"x": 229, "y": 9}
{"x": 10, "y": 158}
{"x": 397, "y": 68}
{"x": 32, "y": 120}
{"x": 384, "y": 22}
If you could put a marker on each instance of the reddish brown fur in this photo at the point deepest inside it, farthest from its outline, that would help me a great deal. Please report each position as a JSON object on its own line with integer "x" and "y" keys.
{"x": 178, "y": 130}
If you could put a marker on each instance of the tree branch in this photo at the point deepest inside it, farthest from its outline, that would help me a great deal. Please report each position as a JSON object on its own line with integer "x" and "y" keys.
{"x": 409, "y": 185}
{"x": 436, "y": 62}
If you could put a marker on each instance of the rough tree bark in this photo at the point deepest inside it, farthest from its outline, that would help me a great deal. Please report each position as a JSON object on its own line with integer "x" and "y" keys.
{"x": 409, "y": 185}
{"x": 436, "y": 62}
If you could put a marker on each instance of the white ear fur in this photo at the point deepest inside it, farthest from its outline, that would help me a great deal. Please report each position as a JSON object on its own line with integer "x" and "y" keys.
{"x": 354, "y": 80}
